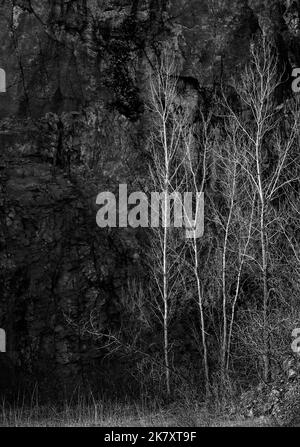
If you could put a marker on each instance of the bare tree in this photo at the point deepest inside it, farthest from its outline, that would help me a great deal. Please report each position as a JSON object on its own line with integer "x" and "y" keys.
{"x": 262, "y": 140}
{"x": 166, "y": 162}
{"x": 236, "y": 222}
{"x": 196, "y": 165}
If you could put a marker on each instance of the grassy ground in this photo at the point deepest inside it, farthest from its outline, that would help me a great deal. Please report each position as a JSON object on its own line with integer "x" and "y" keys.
{"x": 113, "y": 415}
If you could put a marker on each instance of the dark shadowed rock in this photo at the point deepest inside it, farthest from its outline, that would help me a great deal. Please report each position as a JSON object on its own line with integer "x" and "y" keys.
{"x": 7, "y": 375}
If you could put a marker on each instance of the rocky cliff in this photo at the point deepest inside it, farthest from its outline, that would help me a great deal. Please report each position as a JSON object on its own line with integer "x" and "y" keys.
{"x": 71, "y": 125}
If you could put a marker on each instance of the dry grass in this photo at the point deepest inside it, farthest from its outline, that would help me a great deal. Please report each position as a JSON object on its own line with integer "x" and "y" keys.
{"x": 107, "y": 414}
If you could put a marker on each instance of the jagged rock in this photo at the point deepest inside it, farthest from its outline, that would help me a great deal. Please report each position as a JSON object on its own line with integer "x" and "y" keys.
{"x": 279, "y": 400}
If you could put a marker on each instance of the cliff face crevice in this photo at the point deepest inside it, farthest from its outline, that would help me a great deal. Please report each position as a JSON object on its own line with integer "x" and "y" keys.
{"x": 71, "y": 125}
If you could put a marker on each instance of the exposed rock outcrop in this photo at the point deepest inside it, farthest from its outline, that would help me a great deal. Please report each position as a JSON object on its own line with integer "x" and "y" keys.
{"x": 71, "y": 125}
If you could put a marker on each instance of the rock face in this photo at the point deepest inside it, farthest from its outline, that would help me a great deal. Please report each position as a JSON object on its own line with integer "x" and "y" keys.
{"x": 56, "y": 265}
{"x": 279, "y": 400}
{"x": 7, "y": 376}
{"x": 72, "y": 125}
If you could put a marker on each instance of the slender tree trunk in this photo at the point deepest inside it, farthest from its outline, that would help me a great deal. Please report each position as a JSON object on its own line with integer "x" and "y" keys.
{"x": 165, "y": 296}
{"x": 203, "y": 334}
{"x": 224, "y": 291}
{"x": 266, "y": 354}
{"x": 192, "y": 175}
{"x": 258, "y": 142}
{"x": 165, "y": 257}
{"x": 237, "y": 289}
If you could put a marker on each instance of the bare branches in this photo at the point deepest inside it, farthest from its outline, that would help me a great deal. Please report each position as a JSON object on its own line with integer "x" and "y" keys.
{"x": 195, "y": 173}
{"x": 261, "y": 135}
{"x": 166, "y": 164}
